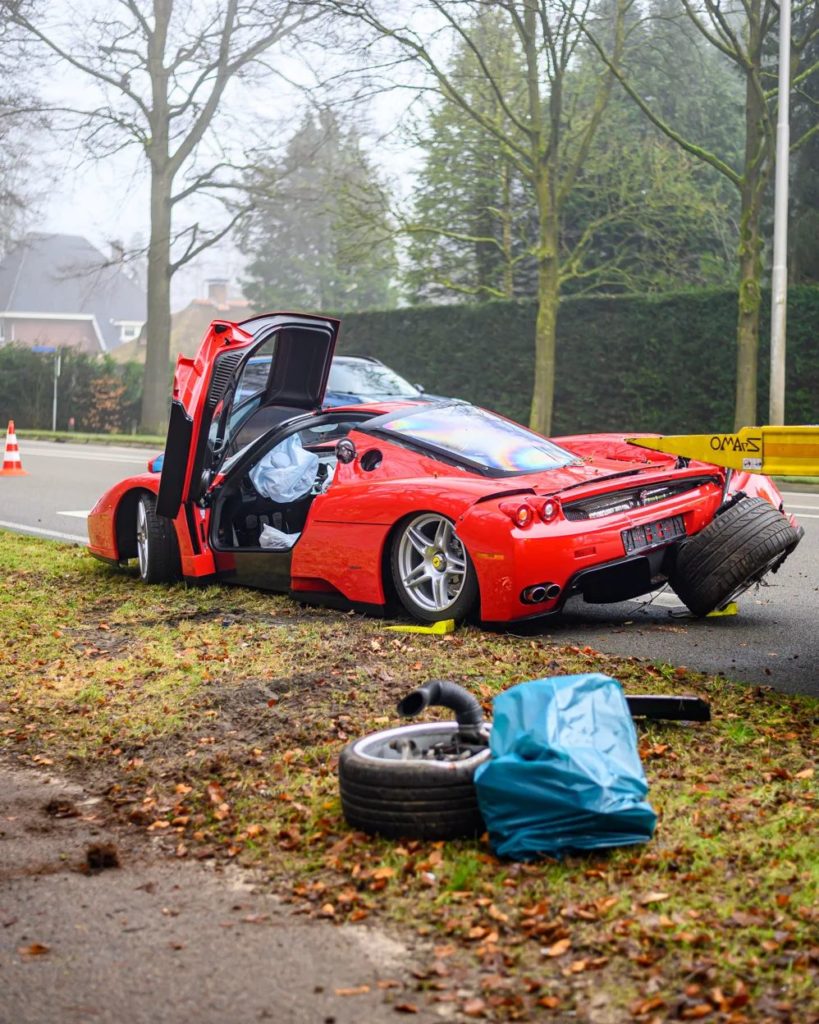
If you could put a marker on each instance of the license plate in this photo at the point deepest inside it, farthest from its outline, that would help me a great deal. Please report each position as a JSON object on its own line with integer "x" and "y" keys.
{"x": 653, "y": 535}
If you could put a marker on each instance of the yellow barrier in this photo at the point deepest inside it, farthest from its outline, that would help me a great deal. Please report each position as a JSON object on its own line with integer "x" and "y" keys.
{"x": 777, "y": 451}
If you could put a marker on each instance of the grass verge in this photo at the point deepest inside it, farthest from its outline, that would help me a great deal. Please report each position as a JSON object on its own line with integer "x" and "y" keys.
{"x": 214, "y": 717}
{"x": 128, "y": 440}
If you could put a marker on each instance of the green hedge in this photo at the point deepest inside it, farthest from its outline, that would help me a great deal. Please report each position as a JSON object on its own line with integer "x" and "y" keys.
{"x": 99, "y": 395}
{"x": 656, "y": 363}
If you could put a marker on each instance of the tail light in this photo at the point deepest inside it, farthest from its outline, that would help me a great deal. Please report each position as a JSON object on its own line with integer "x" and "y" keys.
{"x": 520, "y": 512}
{"x": 549, "y": 509}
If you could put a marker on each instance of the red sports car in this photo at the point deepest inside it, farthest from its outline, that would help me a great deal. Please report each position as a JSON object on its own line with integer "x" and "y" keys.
{"x": 442, "y": 508}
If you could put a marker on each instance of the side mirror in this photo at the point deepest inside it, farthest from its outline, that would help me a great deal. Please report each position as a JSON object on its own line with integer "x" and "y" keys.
{"x": 345, "y": 451}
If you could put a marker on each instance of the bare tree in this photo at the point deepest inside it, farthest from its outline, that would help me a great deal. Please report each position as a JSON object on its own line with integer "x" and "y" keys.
{"x": 744, "y": 32}
{"x": 162, "y": 68}
{"x": 544, "y": 129}
{"x": 15, "y": 167}
{"x": 21, "y": 123}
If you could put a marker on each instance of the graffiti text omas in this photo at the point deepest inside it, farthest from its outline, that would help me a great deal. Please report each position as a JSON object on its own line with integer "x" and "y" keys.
{"x": 732, "y": 443}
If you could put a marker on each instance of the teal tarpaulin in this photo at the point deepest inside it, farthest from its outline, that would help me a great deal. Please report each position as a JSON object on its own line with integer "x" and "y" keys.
{"x": 564, "y": 773}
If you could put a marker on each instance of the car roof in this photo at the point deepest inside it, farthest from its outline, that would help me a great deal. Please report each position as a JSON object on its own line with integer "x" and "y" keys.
{"x": 357, "y": 359}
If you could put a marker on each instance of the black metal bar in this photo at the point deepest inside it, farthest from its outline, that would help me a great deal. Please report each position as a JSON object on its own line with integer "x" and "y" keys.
{"x": 677, "y": 709}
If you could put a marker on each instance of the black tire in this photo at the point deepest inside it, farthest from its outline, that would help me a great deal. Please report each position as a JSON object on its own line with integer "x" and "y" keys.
{"x": 157, "y": 545}
{"x": 733, "y": 552}
{"x": 448, "y": 590}
{"x": 383, "y": 794}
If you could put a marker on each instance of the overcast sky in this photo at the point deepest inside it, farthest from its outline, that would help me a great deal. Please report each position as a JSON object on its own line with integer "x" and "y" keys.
{"x": 107, "y": 199}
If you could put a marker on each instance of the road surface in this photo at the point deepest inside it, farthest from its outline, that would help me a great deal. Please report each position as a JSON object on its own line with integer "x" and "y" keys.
{"x": 773, "y": 641}
{"x": 157, "y": 939}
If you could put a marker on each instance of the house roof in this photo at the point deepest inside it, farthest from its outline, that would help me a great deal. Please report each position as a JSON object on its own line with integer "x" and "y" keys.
{"x": 55, "y": 274}
{"x": 188, "y": 327}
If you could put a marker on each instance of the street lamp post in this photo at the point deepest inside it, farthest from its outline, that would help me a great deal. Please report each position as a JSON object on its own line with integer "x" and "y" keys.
{"x": 47, "y": 349}
{"x": 779, "y": 277}
{"x": 57, "y": 362}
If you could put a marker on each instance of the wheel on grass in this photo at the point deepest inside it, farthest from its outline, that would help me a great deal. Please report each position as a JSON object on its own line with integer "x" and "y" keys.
{"x": 431, "y": 569}
{"x": 157, "y": 546}
{"x": 734, "y": 551}
{"x": 412, "y": 782}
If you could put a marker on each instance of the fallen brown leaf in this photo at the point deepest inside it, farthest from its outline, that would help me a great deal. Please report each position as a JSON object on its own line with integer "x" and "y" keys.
{"x": 497, "y": 915}
{"x": 474, "y": 1007}
{"x": 549, "y": 1002}
{"x": 216, "y": 794}
{"x": 697, "y": 1012}
{"x": 645, "y": 1006}
{"x": 653, "y": 897}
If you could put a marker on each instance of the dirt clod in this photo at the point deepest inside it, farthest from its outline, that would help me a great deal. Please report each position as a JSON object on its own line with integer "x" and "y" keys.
{"x": 101, "y": 856}
{"x": 61, "y": 808}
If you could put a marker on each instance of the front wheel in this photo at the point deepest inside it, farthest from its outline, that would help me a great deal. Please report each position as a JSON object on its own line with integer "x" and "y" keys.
{"x": 157, "y": 547}
{"x": 431, "y": 569}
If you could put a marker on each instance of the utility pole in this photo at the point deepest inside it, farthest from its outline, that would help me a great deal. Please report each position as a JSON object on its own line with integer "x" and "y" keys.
{"x": 779, "y": 278}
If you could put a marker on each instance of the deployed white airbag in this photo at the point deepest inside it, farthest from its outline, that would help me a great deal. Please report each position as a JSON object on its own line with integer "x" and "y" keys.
{"x": 287, "y": 471}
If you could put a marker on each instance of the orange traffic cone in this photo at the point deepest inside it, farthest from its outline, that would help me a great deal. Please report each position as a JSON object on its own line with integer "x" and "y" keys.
{"x": 12, "y": 463}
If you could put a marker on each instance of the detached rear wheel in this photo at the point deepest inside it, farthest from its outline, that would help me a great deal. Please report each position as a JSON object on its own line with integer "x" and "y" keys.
{"x": 412, "y": 782}
{"x": 736, "y": 550}
{"x": 157, "y": 547}
{"x": 431, "y": 569}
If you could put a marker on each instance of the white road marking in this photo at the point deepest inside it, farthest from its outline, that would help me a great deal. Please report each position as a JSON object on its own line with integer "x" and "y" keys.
{"x": 806, "y": 515}
{"x": 53, "y": 534}
{"x": 791, "y": 505}
{"x": 75, "y": 515}
{"x": 665, "y": 599}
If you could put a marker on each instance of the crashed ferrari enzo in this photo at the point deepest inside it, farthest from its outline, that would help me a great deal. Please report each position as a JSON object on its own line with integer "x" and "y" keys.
{"x": 441, "y": 508}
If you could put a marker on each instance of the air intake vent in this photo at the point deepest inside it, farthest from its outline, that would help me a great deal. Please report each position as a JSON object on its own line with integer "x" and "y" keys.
{"x": 635, "y": 497}
{"x": 222, "y": 376}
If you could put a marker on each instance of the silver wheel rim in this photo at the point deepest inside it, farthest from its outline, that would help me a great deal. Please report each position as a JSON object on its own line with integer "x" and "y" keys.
{"x": 431, "y": 563}
{"x": 142, "y": 539}
{"x": 379, "y": 746}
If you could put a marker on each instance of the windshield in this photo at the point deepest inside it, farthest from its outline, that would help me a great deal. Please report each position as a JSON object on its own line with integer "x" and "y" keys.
{"x": 476, "y": 437}
{"x": 368, "y": 379}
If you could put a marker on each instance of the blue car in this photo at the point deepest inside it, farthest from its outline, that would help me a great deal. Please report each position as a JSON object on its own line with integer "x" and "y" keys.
{"x": 354, "y": 380}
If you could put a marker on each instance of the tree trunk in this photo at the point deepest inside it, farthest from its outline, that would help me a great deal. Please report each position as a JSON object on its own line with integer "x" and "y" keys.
{"x": 155, "y": 387}
{"x": 507, "y": 238}
{"x": 757, "y": 162}
{"x": 750, "y": 297}
{"x": 548, "y": 296}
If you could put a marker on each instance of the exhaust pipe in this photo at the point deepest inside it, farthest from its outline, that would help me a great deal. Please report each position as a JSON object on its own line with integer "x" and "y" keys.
{"x": 442, "y": 693}
{"x": 540, "y": 592}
